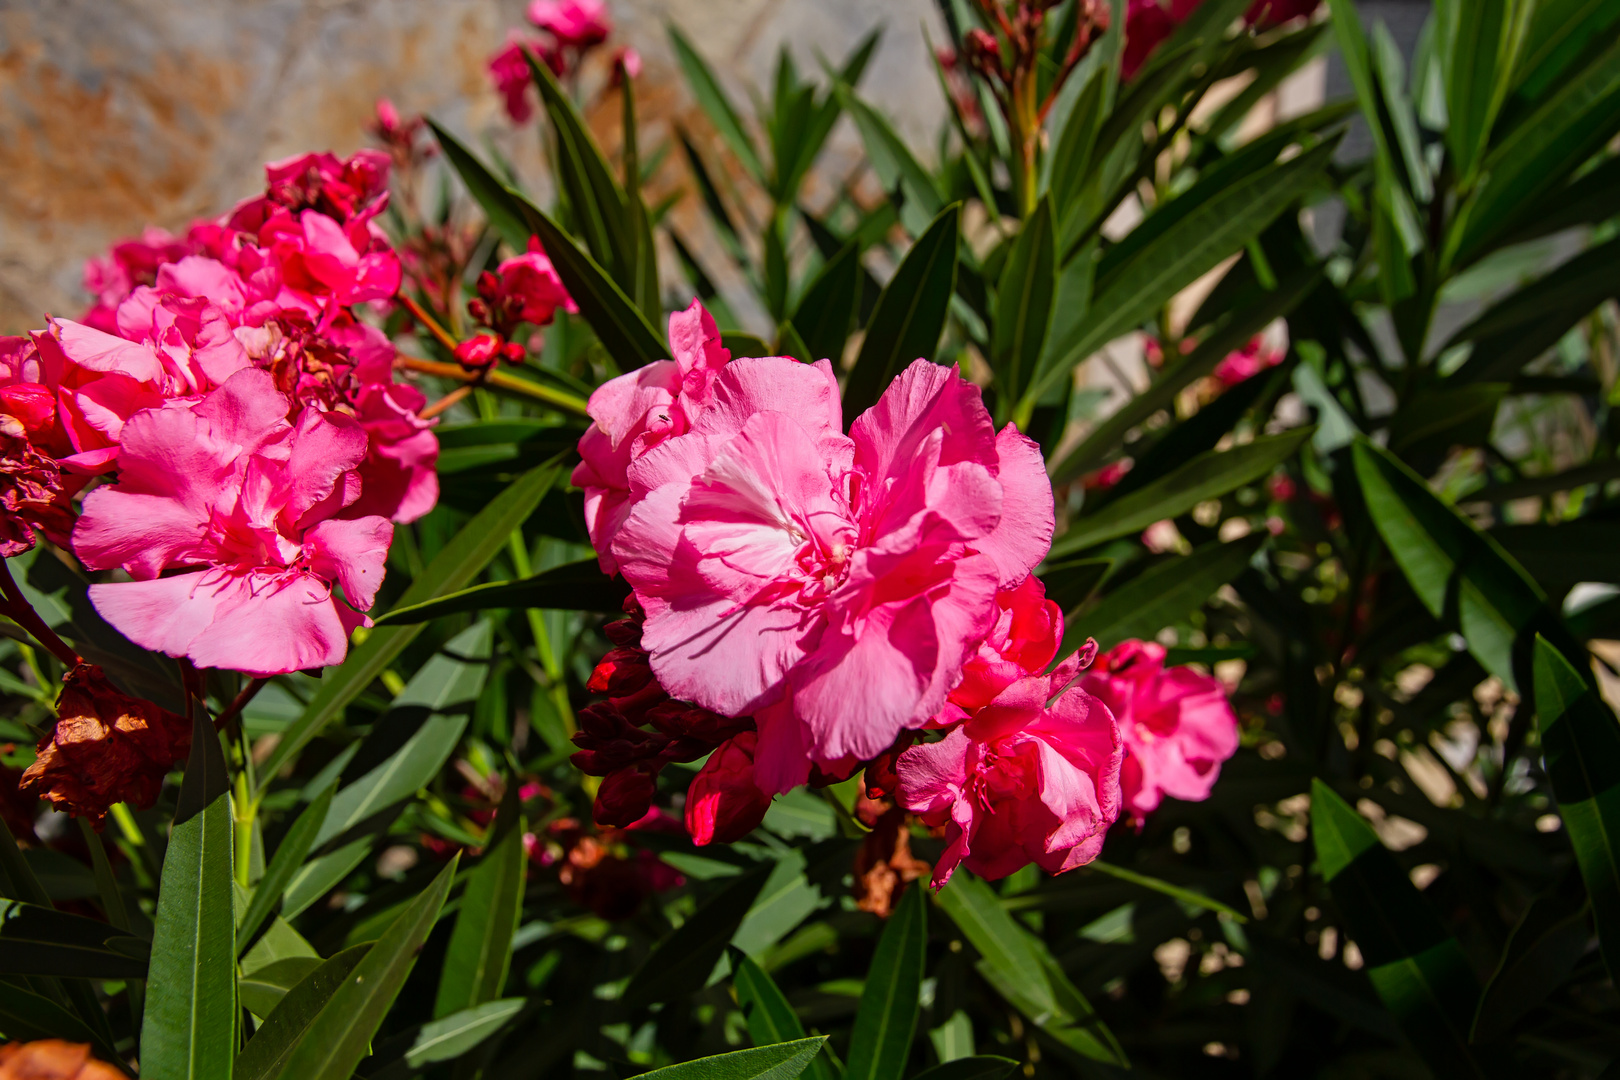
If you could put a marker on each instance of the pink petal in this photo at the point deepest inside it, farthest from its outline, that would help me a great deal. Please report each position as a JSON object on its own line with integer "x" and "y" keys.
{"x": 1023, "y": 536}
{"x": 352, "y": 553}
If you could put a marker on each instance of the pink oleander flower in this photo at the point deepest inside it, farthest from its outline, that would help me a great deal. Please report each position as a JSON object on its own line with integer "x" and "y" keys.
{"x": 530, "y": 287}
{"x": 509, "y": 70}
{"x": 723, "y": 803}
{"x": 626, "y": 64}
{"x": 830, "y": 586}
{"x": 348, "y": 190}
{"x": 1247, "y": 362}
{"x": 636, "y": 412}
{"x": 324, "y": 258}
{"x": 578, "y": 24}
{"x": 128, "y": 264}
{"x": 1024, "y": 639}
{"x": 1034, "y": 776}
{"x": 1146, "y": 25}
{"x": 1177, "y": 724}
{"x": 246, "y": 504}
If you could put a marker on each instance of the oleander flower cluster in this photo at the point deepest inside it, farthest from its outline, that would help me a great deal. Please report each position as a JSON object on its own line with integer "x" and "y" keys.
{"x": 249, "y": 444}
{"x": 809, "y": 601}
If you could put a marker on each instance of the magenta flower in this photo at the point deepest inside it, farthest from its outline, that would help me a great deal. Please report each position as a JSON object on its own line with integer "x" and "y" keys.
{"x": 831, "y": 586}
{"x": 531, "y": 287}
{"x": 639, "y": 410}
{"x": 1146, "y": 25}
{"x": 578, "y": 24}
{"x": 1024, "y": 639}
{"x": 1177, "y": 724}
{"x": 1032, "y": 777}
{"x": 1245, "y": 363}
{"x": 510, "y": 72}
{"x": 246, "y": 503}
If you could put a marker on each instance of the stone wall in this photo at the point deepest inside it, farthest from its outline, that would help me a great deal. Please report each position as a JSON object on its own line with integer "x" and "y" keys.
{"x": 115, "y": 114}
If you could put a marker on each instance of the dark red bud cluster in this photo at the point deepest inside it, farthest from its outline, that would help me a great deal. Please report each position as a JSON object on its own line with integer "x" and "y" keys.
{"x": 615, "y": 740}
{"x": 483, "y": 349}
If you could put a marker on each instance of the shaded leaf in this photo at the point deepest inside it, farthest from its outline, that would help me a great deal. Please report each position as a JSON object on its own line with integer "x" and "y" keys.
{"x": 684, "y": 959}
{"x": 1160, "y": 595}
{"x": 981, "y": 1067}
{"x": 1545, "y": 946}
{"x": 770, "y": 1017}
{"x": 289, "y": 856}
{"x": 576, "y": 586}
{"x": 480, "y": 951}
{"x": 783, "y": 1061}
{"x": 910, "y": 314}
{"x": 715, "y": 104}
{"x": 1417, "y": 968}
{"x": 886, "y": 1020}
{"x": 445, "y": 1039}
{"x": 268, "y": 1050}
{"x": 462, "y": 559}
{"x": 1024, "y": 303}
{"x": 827, "y": 310}
{"x": 263, "y": 990}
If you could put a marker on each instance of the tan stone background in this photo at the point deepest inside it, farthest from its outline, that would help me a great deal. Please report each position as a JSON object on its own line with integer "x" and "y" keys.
{"x": 119, "y": 113}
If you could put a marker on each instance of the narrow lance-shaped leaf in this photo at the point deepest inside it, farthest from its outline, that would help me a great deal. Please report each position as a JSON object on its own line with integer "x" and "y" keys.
{"x": 715, "y": 104}
{"x": 189, "y": 1028}
{"x": 1024, "y": 303}
{"x": 273, "y": 1042}
{"x": 770, "y": 1017}
{"x": 897, "y": 168}
{"x": 1581, "y": 739}
{"x": 468, "y": 552}
{"x": 827, "y": 310}
{"x": 910, "y": 314}
{"x": 446, "y": 1039}
{"x": 886, "y": 1019}
{"x": 1417, "y": 968}
{"x": 1207, "y": 476}
{"x": 576, "y": 586}
{"x": 1458, "y": 572}
{"x": 784, "y": 1061}
{"x": 337, "y": 1038}
{"x": 480, "y": 951}
{"x": 683, "y": 961}
{"x": 284, "y": 864}
{"x": 981, "y": 1067}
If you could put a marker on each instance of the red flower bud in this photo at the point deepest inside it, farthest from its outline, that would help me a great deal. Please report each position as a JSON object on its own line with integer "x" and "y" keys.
{"x": 723, "y": 802}
{"x": 625, "y": 796}
{"x": 479, "y": 351}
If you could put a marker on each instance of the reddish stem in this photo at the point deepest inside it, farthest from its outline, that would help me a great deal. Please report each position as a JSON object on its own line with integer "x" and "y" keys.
{"x": 19, "y": 610}
{"x": 240, "y": 702}
{"x": 422, "y": 316}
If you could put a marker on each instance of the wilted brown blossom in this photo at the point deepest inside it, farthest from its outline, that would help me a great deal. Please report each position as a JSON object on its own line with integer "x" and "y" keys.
{"x": 885, "y": 866}
{"x": 52, "y": 1059}
{"x": 106, "y": 748}
{"x": 31, "y": 491}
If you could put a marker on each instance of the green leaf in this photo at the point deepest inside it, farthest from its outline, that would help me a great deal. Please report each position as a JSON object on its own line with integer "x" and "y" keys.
{"x": 1525, "y": 324}
{"x": 445, "y": 1039}
{"x": 886, "y": 1021}
{"x": 741, "y": 344}
{"x": 715, "y": 104}
{"x": 1581, "y": 740}
{"x": 38, "y": 940}
{"x": 623, "y": 329}
{"x": 1477, "y": 61}
{"x": 910, "y": 313}
{"x": 1544, "y": 948}
{"x": 827, "y": 310}
{"x": 576, "y": 586}
{"x": 289, "y": 856}
{"x": 896, "y": 167}
{"x": 683, "y": 960}
{"x": 620, "y": 325}
{"x": 1072, "y": 155}
{"x": 1070, "y": 584}
{"x": 1541, "y": 151}
{"x": 1023, "y": 972}
{"x": 1230, "y": 334}
{"x": 1160, "y": 595}
{"x": 337, "y": 1038}
{"x": 982, "y": 1067}
{"x": 25, "y": 1016}
{"x": 784, "y": 1061}
{"x": 462, "y": 559}
{"x": 486, "y": 189}
{"x": 1460, "y": 574}
{"x": 770, "y": 1017}
{"x": 480, "y": 952}
{"x": 273, "y": 1043}
{"x": 189, "y": 1028}
{"x": 781, "y": 905}
{"x": 263, "y": 990}
{"x": 1207, "y": 476}
{"x": 1418, "y": 969}
{"x": 598, "y": 202}
{"x": 1024, "y": 303}
{"x": 1142, "y": 279}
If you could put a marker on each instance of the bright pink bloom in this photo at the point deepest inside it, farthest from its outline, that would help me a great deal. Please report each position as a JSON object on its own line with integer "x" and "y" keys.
{"x": 227, "y": 489}
{"x": 579, "y": 24}
{"x": 628, "y": 61}
{"x": 1021, "y": 780}
{"x": 130, "y": 263}
{"x": 1146, "y": 25}
{"x": 1178, "y": 725}
{"x": 1247, "y": 362}
{"x": 831, "y": 586}
{"x": 510, "y": 71}
{"x": 346, "y": 190}
{"x": 639, "y": 410}
{"x": 324, "y": 258}
{"x": 724, "y": 804}
{"x": 1024, "y": 639}
{"x": 531, "y": 286}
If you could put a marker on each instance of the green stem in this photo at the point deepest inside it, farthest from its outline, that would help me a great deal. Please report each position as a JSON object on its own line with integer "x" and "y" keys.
{"x": 1158, "y": 885}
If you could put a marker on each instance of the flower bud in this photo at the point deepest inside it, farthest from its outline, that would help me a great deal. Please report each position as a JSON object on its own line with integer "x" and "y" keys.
{"x": 723, "y": 802}
{"x": 625, "y": 796}
{"x": 479, "y": 351}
